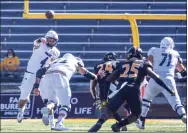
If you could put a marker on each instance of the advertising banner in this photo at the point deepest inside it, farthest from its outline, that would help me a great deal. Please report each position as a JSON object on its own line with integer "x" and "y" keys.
{"x": 9, "y": 106}
{"x": 81, "y": 106}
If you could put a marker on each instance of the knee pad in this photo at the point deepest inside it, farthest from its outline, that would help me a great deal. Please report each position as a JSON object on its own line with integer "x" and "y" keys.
{"x": 64, "y": 109}
{"x": 146, "y": 103}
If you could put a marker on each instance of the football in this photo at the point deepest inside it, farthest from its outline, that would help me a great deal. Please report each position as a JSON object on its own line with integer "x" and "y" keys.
{"x": 50, "y": 14}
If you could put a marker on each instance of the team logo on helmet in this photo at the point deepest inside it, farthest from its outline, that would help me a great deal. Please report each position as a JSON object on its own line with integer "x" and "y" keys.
{"x": 109, "y": 57}
{"x": 135, "y": 52}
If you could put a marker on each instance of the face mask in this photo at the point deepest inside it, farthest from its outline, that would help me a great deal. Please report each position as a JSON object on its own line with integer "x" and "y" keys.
{"x": 10, "y": 56}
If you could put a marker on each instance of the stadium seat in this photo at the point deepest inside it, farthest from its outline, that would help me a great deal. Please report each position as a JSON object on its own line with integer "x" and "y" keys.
{"x": 90, "y": 39}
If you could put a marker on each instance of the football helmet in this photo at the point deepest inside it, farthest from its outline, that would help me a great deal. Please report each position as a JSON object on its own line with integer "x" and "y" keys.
{"x": 68, "y": 56}
{"x": 167, "y": 43}
{"x": 109, "y": 56}
{"x": 135, "y": 52}
{"x": 52, "y": 38}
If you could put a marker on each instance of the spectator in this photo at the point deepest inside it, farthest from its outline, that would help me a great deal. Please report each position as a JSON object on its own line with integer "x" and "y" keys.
{"x": 10, "y": 65}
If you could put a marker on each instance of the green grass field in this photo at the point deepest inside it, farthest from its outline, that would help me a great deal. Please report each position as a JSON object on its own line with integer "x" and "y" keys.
{"x": 82, "y": 125}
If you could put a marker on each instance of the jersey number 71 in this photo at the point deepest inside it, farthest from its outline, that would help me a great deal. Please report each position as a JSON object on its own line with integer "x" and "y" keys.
{"x": 164, "y": 59}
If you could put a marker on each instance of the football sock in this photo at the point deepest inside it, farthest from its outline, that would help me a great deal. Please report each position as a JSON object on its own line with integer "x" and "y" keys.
{"x": 51, "y": 117}
{"x": 60, "y": 119}
{"x": 142, "y": 118}
{"x": 117, "y": 117}
{"x": 101, "y": 121}
{"x": 22, "y": 109}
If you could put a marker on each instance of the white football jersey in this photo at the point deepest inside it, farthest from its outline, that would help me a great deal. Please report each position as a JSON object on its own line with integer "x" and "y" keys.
{"x": 68, "y": 65}
{"x": 164, "y": 61}
{"x": 41, "y": 57}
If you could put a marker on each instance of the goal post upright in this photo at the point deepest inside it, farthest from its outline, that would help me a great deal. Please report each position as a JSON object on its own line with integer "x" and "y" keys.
{"x": 130, "y": 17}
{"x": 26, "y": 6}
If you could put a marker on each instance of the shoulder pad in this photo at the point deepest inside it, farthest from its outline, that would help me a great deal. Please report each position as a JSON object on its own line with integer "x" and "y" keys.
{"x": 56, "y": 52}
{"x": 151, "y": 51}
{"x": 176, "y": 53}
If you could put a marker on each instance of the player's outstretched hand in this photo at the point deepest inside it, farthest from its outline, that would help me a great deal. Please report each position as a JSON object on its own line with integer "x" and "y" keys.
{"x": 36, "y": 92}
{"x": 43, "y": 40}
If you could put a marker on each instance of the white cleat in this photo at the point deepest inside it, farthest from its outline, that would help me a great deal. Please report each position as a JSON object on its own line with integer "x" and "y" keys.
{"x": 140, "y": 124}
{"x": 184, "y": 119}
{"x": 60, "y": 127}
{"x": 20, "y": 116}
{"x": 45, "y": 115}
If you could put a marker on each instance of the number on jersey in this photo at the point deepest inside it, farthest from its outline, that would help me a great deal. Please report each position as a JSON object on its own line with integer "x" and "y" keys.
{"x": 107, "y": 67}
{"x": 130, "y": 68}
{"x": 60, "y": 61}
{"x": 165, "y": 58}
{"x": 43, "y": 62}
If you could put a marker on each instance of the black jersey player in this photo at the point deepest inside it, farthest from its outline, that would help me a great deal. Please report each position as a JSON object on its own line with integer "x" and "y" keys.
{"x": 103, "y": 70}
{"x": 133, "y": 72}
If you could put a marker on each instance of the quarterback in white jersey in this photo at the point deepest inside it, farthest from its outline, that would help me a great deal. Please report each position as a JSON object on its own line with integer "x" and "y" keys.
{"x": 56, "y": 83}
{"x": 43, "y": 53}
{"x": 165, "y": 61}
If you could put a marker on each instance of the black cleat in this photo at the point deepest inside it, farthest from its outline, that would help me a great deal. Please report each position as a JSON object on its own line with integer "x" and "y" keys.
{"x": 124, "y": 128}
{"x": 95, "y": 128}
{"x": 115, "y": 128}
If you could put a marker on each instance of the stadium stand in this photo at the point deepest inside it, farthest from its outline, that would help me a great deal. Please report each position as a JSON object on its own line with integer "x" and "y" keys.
{"x": 90, "y": 39}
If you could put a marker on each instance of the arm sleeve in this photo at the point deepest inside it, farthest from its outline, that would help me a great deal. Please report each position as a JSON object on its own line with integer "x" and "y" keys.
{"x": 36, "y": 43}
{"x": 119, "y": 67}
{"x": 114, "y": 76}
{"x": 147, "y": 64}
{"x": 95, "y": 69}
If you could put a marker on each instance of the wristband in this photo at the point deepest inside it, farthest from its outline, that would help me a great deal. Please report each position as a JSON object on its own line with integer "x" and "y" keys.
{"x": 183, "y": 73}
{"x": 89, "y": 75}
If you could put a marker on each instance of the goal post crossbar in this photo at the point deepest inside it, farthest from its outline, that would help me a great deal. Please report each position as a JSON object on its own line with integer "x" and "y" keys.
{"x": 130, "y": 17}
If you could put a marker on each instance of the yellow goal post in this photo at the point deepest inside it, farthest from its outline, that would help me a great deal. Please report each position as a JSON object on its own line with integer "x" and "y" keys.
{"x": 130, "y": 17}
